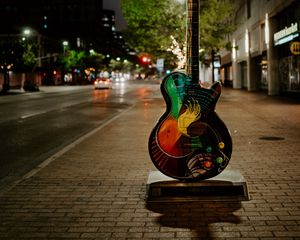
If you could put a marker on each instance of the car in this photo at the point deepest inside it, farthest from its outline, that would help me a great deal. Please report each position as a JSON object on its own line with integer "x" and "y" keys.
{"x": 101, "y": 83}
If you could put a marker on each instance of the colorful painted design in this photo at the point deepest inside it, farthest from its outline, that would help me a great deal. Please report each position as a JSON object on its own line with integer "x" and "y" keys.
{"x": 190, "y": 141}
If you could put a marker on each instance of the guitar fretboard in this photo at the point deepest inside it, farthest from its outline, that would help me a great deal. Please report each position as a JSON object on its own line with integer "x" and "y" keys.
{"x": 192, "y": 66}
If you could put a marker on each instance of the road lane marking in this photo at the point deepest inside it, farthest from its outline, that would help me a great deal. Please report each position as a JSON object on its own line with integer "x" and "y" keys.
{"x": 32, "y": 114}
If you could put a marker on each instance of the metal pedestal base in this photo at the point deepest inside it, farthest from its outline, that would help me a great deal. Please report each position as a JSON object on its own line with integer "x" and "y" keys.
{"x": 229, "y": 185}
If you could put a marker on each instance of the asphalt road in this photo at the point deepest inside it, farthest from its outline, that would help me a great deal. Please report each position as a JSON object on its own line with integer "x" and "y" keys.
{"x": 34, "y": 126}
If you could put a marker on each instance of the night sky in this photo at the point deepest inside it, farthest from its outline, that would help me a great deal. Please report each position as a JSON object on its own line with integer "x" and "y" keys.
{"x": 116, "y": 6}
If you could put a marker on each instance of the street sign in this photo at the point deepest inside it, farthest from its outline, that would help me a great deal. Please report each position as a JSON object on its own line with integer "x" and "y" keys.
{"x": 160, "y": 64}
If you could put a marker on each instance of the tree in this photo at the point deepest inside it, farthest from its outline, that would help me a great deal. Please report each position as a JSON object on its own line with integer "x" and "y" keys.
{"x": 151, "y": 23}
{"x": 72, "y": 59}
{"x": 16, "y": 55}
{"x": 29, "y": 55}
{"x": 121, "y": 65}
{"x": 94, "y": 60}
{"x": 76, "y": 61}
{"x": 215, "y": 24}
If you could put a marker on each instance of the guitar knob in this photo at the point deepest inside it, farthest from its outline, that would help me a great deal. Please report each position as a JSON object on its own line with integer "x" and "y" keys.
{"x": 207, "y": 164}
{"x": 219, "y": 160}
{"x": 221, "y": 145}
{"x": 208, "y": 149}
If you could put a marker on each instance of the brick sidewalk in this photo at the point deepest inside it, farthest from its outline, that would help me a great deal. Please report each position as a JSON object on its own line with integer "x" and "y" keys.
{"x": 96, "y": 190}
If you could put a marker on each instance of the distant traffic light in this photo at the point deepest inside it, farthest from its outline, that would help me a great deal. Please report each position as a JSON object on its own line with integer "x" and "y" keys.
{"x": 145, "y": 59}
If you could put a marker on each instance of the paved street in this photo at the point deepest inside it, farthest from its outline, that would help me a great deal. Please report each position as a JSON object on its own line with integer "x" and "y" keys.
{"x": 36, "y": 125}
{"x": 95, "y": 189}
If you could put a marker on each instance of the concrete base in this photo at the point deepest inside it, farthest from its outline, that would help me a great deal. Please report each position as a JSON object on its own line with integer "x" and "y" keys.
{"x": 229, "y": 185}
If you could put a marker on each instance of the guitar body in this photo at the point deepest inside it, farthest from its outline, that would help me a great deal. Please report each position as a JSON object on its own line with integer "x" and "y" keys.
{"x": 190, "y": 141}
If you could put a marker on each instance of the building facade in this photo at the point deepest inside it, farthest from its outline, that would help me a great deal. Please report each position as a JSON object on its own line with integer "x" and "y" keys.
{"x": 266, "y": 47}
{"x": 54, "y": 19}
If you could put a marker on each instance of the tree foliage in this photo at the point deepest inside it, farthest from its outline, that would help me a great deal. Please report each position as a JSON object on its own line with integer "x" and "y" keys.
{"x": 29, "y": 55}
{"x": 215, "y": 24}
{"x": 151, "y": 23}
{"x": 125, "y": 66}
{"x": 80, "y": 59}
{"x": 72, "y": 59}
{"x": 17, "y": 55}
{"x": 94, "y": 60}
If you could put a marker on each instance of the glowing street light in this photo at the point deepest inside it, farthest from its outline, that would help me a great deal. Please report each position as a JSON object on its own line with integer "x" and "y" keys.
{"x": 27, "y": 32}
{"x": 65, "y": 45}
{"x": 92, "y": 51}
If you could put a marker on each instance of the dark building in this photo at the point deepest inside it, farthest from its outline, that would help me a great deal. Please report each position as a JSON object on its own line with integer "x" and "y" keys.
{"x": 80, "y": 22}
{"x": 57, "y": 24}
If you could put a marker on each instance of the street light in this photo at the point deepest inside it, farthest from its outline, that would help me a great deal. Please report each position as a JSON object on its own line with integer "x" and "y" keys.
{"x": 92, "y": 51}
{"x": 65, "y": 45}
{"x": 27, "y": 32}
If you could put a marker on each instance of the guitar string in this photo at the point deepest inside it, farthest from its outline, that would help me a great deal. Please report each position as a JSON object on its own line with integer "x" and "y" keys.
{"x": 190, "y": 43}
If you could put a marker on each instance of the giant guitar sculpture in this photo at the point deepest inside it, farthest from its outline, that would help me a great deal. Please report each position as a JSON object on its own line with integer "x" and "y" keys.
{"x": 190, "y": 141}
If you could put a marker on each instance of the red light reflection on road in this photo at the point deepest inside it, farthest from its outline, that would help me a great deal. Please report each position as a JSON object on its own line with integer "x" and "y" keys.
{"x": 143, "y": 93}
{"x": 100, "y": 95}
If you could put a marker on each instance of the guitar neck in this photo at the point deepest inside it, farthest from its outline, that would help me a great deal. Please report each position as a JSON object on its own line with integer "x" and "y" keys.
{"x": 192, "y": 37}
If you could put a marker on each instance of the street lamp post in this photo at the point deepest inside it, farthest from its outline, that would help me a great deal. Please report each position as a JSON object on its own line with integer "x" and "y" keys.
{"x": 65, "y": 45}
{"x": 37, "y": 77}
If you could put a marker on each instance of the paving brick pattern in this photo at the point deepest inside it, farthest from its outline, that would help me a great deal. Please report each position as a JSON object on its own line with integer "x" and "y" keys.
{"x": 96, "y": 190}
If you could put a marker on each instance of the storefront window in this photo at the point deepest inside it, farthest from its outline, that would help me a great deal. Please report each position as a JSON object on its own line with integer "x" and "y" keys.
{"x": 289, "y": 68}
{"x": 294, "y": 73}
{"x": 264, "y": 72}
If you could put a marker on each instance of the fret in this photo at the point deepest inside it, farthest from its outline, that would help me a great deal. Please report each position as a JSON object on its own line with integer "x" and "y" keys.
{"x": 192, "y": 50}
